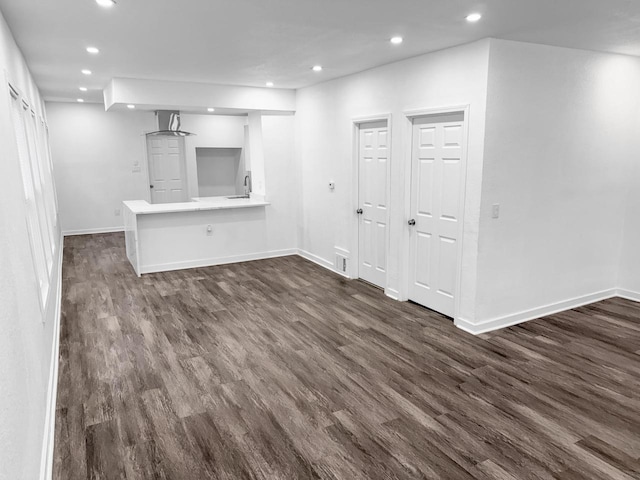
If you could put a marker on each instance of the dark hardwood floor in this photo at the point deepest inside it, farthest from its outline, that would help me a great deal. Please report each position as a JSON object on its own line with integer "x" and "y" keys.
{"x": 279, "y": 369}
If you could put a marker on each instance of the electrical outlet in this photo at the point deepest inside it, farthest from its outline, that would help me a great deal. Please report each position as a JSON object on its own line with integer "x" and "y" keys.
{"x": 495, "y": 210}
{"x": 209, "y": 230}
{"x": 116, "y": 212}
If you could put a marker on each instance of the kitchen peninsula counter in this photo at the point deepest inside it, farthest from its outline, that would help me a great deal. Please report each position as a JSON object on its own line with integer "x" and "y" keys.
{"x": 204, "y": 232}
{"x": 142, "y": 207}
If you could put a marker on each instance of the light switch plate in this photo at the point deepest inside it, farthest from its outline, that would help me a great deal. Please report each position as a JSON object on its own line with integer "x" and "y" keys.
{"x": 495, "y": 210}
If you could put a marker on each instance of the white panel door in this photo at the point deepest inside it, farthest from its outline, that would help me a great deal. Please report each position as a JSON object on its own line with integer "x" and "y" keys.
{"x": 436, "y": 176}
{"x": 167, "y": 178}
{"x": 372, "y": 235}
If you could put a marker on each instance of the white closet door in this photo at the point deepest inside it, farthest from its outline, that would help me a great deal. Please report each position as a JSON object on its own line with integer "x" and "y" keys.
{"x": 437, "y": 169}
{"x": 373, "y": 229}
{"x": 167, "y": 169}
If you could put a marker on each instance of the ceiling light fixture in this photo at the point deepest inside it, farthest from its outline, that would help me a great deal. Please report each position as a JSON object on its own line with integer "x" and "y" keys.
{"x": 473, "y": 17}
{"x": 83, "y": 89}
{"x": 86, "y": 72}
{"x": 396, "y": 40}
{"x": 211, "y": 109}
{"x": 80, "y": 100}
{"x": 317, "y": 68}
{"x": 93, "y": 50}
{"x": 106, "y": 3}
{"x": 131, "y": 107}
{"x": 269, "y": 84}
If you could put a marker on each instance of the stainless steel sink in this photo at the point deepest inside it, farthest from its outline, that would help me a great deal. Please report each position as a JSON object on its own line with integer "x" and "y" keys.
{"x": 238, "y": 196}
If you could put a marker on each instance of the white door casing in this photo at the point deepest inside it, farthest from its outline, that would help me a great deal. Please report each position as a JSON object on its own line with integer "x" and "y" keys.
{"x": 167, "y": 172}
{"x": 373, "y": 158}
{"x": 437, "y": 169}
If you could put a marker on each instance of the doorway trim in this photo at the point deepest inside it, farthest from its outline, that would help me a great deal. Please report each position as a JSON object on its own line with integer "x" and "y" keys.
{"x": 356, "y": 123}
{"x": 144, "y": 165}
{"x": 410, "y": 115}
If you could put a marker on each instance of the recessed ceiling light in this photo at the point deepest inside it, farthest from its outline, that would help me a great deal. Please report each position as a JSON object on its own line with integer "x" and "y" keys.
{"x": 396, "y": 40}
{"x": 106, "y": 3}
{"x": 131, "y": 107}
{"x": 80, "y": 100}
{"x": 269, "y": 84}
{"x": 83, "y": 89}
{"x": 317, "y": 68}
{"x": 93, "y": 50}
{"x": 473, "y": 17}
{"x": 211, "y": 109}
{"x": 86, "y": 72}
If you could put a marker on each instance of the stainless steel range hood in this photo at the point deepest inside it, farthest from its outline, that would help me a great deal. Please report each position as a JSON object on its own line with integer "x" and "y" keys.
{"x": 169, "y": 124}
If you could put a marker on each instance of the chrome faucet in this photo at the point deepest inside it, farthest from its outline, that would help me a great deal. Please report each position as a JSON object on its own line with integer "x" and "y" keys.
{"x": 247, "y": 184}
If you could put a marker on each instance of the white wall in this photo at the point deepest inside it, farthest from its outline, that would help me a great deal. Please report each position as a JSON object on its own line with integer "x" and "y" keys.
{"x": 561, "y": 133}
{"x": 255, "y": 158}
{"x": 280, "y": 178}
{"x": 220, "y": 172}
{"x": 324, "y": 132}
{"x": 629, "y": 278}
{"x": 26, "y": 333}
{"x": 94, "y": 153}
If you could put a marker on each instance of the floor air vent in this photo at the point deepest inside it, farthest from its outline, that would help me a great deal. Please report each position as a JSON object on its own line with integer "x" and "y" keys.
{"x": 342, "y": 263}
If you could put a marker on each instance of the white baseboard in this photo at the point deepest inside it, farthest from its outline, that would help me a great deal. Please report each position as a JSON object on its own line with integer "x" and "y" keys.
{"x": 92, "y": 231}
{"x": 628, "y": 294}
{"x": 210, "y": 262}
{"x": 46, "y": 460}
{"x": 316, "y": 259}
{"x": 320, "y": 261}
{"x": 538, "y": 312}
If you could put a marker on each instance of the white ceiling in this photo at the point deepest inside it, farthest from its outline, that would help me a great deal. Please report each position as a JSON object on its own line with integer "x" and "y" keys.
{"x": 249, "y": 42}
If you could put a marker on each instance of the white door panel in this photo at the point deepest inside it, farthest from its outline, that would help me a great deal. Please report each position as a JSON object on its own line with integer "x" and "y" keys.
{"x": 166, "y": 169}
{"x": 373, "y": 159}
{"x": 447, "y": 260}
{"x": 437, "y": 167}
{"x": 422, "y": 270}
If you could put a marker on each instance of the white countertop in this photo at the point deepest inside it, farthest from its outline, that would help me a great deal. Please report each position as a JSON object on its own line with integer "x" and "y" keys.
{"x": 142, "y": 207}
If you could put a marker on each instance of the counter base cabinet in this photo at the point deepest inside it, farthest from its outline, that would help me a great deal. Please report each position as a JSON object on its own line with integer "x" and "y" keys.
{"x": 131, "y": 238}
{"x": 174, "y": 240}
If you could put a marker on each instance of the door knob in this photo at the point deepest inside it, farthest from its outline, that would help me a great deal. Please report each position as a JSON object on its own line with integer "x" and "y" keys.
{"x": 411, "y": 222}
{"x": 150, "y": 186}
{"x": 359, "y": 211}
